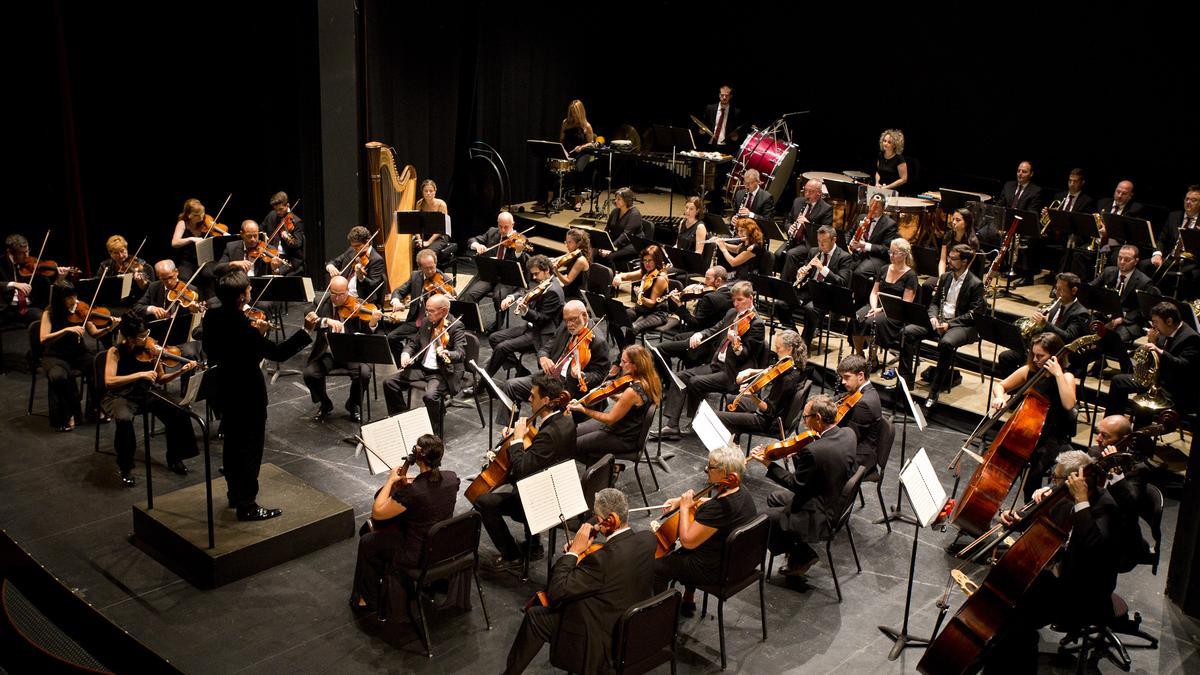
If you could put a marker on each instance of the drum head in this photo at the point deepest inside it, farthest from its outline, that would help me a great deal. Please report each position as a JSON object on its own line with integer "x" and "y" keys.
{"x": 782, "y": 172}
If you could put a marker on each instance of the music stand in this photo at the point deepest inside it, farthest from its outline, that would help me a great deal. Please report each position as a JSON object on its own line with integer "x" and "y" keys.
{"x": 778, "y": 291}
{"x": 907, "y": 313}
{"x": 1147, "y": 301}
{"x": 115, "y": 290}
{"x": 494, "y": 394}
{"x": 1101, "y": 300}
{"x": 1136, "y": 231}
{"x": 1062, "y": 223}
{"x": 359, "y": 348}
{"x": 660, "y": 458}
{"x": 180, "y": 333}
{"x": 677, "y": 138}
{"x": 834, "y": 300}
{"x": 422, "y": 223}
{"x": 926, "y": 260}
{"x": 688, "y": 261}
{"x": 953, "y": 200}
{"x": 500, "y": 272}
{"x": 1001, "y": 334}
{"x": 286, "y": 290}
{"x": 472, "y": 320}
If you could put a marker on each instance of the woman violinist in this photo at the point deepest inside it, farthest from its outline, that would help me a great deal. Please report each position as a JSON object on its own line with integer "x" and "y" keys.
{"x": 64, "y": 349}
{"x": 618, "y": 430}
{"x": 742, "y": 258}
{"x": 130, "y": 370}
{"x": 704, "y": 526}
{"x": 572, "y": 268}
{"x": 119, "y": 261}
{"x": 752, "y": 410}
{"x": 650, "y": 307}
{"x": 1057, "y": 387}
{"x": 192, "y": 226}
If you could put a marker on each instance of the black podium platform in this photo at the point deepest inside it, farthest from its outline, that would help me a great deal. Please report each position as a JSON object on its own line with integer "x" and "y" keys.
{"x": 175, "y": 531}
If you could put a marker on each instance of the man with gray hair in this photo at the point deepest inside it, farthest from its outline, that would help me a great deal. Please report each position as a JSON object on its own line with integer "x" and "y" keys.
{"x": 753, "y": 201}
{"x": 809, "y": 212}
{"x": 488, "y": 245}
{"x": 588, "y": 594}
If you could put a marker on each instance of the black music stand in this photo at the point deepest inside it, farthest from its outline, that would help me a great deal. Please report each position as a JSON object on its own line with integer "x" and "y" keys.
{"x": 472, "y": 320}
{"x": 1104, "y": 301}
{"x": 660, "y": 458}
{"x": 281, "y": 289}
{"x": 834, "y": 300}
{"x": 360, "y": 348}
{"x": 907, "y": 313}
{"x": 689, "y": 261}
{"x": 1063, "y": 223}
{"x": 180, "y": 330}
{"x": 953, "y": 200}
{"x": 423, "y": 223}
{"x": 601, "y": 239}
{"x": 110, "y": 290}
{"x": 926, "y": 260}
{"x": 1147, "y": 301}
{"x": 500, "y": 272}
{"x": 1136, "y": 231}
{"x": 615, "y": 312}
{"x": 1000, "y": 333}
{"x": 777, "y": 290}
{"x": 676, "y": 138}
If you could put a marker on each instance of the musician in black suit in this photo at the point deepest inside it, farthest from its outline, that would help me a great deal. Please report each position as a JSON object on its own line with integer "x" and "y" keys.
{"x": 707, "y": 309}
{"x": 1022, "y": 194}
{"x": 1073, "y": 199}
{"x": 235, "y": 348}
{"x": 830, "y": 264}
{"x": 589, "y": 594}
{"x": 535, "y": 318}
{"x": 809, "y": 505}
{"x": 553, "y": 357}
{"x": 237, "y": 254}
{"x": 1052, "y": 252}
{"x": 289, "y": 242}
{"x": 866, "y": 417}
{"x": 752, "y": 200}
{"x": 320, "y": 359}
{"x": 1067, "y": 318}
{"x": 1126, "y": 279}
{"x": 723, "y": 118}
{"x": 489, "y": 245}
{"x": 808, "y": 213}
{"x": 553, "y": 442}
{"x": 1178, "y": 349}
{"x": 624, "y": 223}
{"x": 871, "y": 254}
{"x": 757, "y": 413}
{"x": 434, "y": 370}
{"x": 366, "y": 282}
{"x": 734, "y": 353}
{"x": 413, "y": 292}
{"x": 952, "y": 311}
{"x": 1121, "y": 203}
{"x": 154, "y": 304}
{"x": 18, "y": 306}
{"x": 1187, "y": 219}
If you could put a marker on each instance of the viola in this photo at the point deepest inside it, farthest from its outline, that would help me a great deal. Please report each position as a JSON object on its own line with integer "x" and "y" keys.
{"x": 514, "y": 240}
{"x": 687, "y": 295}
{"x": 47, "y": 269}
{"x": 149, "y": 350}
{"x": 271, "y": 254}
{"x": 534, "y": 293}
{"x": 180, "y": 293}
{"x": 258, "y": 319}
{"x": 566, "y": 259}
{"x": 666, "y": 532}
{"x": 99, "y": 317}
{"x": 605, "y": 390}
{"x": 648, "y": 280}
{"x": 354, "y": 307}
{"x": 760, "y": 381}
{"x": 789, "y": 446}
{"x": 846, "y": 404}
{"x": 211, "y": 228}
{"x": 580, "y": 348}
{"x": 437, "y": 285}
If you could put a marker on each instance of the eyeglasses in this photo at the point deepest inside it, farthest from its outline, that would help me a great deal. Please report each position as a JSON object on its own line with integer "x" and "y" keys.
{"x": 711, "y": 467}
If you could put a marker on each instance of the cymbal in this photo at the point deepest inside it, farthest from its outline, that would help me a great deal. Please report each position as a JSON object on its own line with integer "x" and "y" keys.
{"x": 701, "y": 125}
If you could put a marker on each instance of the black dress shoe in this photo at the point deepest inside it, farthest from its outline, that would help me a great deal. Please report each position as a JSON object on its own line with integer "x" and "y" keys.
{"x": 127, "y": 479}
{"x": 322, "y": 413}
{"x": 178, "y": 467}
{"x": 354, "y": 414}
{"x": 931, "y": 400}
{"x": 256, "y": 512}
{"x": 687, "y": 609}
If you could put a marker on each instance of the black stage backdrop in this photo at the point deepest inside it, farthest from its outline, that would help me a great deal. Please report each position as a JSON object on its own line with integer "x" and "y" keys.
{"x": 123, "y": 111}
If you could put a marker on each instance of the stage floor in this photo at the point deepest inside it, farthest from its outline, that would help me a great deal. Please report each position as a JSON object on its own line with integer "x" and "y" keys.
{"x": 63, "y": 502}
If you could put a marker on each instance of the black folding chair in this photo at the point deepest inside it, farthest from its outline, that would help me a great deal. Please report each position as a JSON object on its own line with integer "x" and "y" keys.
{"x": 741, "y": 565}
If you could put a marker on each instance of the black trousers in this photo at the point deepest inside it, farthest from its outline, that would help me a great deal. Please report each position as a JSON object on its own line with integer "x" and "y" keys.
{"x": 948, "y": 345}
{"x": 493, "y": 507}
{"x": 594, "y": 441}
{"x": 245, "y": 431}
{"x": 782, "y": 538}
{"x": 61, "y": 389}
{"x": 508, "y": 345}
{"x": 431, "y": 383}
{"x": 791, "y": 258}
{"x": 479, "y": 289}
{"x": 317, "y": 370}
{"x": 700, "y": 382}
{"x": 124, "y": 407}
{"x": 537, "y": 628}
{"x": 740, "y": 421}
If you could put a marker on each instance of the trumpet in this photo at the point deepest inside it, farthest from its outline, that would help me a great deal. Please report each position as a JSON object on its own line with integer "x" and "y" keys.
{"x": 1055, "y": 206}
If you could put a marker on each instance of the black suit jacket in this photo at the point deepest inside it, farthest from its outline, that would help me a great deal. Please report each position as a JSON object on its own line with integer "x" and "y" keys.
{"x": 1132, "y": 209}
{"x": 375, "y": 277}
{"x": 864, "y": 419}
{"x": 1031, "y": 197}
{"x": 155, "y": 295}
{"x": 235, "y": 349}
{"x": 780, "y": 394}
{"x": 1179, "y": 367}
{"x": 969, "y": 303}
{"x": 328, "y": 311}
{"x": 490, "y": 238}
{"x": 821, "y": 471}
{"x": 1169, "y": 236}
{"x": 752, "y": 344}
{"x": 709, "y": 309}
{"x": 820, "y": 214}
{"x": 1072, "y": 325}
{"x": 545, "y": 312}
{"x": 732, "y": 118}
{"x": 293, "y": 252}
{"x": 235, "y": 252}
{"x": 554, "y": 443}
{"x": 415, "y": 286}
{"x": 593, "y": 594}
{"x": 621, "y": 227}
{"x": 596, "y": 369}
{"x": 1138, "y": 281}
{"x": 458, "y": 350}
{"x": 762, "y": 206}
{"x": 1093, "y": 555}
{"x": 881, "y": 237}
{"x": 841, "y": 267}
{"x": 1082, "y": 204}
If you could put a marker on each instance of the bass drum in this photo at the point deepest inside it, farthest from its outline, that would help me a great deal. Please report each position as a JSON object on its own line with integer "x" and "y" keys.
{"x": 774, "y": 159}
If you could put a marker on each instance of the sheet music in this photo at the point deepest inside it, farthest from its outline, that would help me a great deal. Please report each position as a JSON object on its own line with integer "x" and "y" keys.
{"x": 308, "y": 289}
{"x": 389, "y": 440}
{"x": 912, "y": 407}
{"x": 494, "y": 388}
{"x": 708, "y": 427}
{"x": 663, "y": 360}
{"x": 923, "y": 488}
{"x": 126, "y": 284}
{"x": 550, "y": 496}
{"x": 204, "y": 251}
{"x": 193, "y": 389}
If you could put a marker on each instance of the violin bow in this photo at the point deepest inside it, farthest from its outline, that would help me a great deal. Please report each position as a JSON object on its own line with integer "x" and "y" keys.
{"x": 139, "y": 250}
{"x": 254, "y": 301}
{"x": 38, "y": 261}
{"x": 217, "y": 218}
{"x": 432, "y": 340}
{"x": 341, "y": 272}
{"x": 92, "y": 304}
{"x": 185, "y": 287}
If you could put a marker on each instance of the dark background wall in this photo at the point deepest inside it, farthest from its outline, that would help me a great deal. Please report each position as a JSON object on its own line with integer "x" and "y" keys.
{"x": 124, "y": 112}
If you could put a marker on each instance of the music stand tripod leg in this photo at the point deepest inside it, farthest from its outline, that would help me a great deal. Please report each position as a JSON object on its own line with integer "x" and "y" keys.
{"x": 901, "y": 639}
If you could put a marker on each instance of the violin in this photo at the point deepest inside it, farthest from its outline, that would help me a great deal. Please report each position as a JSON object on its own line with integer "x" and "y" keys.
{"x": 257, "y": 249}
{"x": 180, "y": 293}
{"x": 514, "y": 240}
{"x": 605, "y": 390}
{"x": 258, "y": 319}
{"x": 354, "y": 307}
{"x": 648, "y": 280}
{"x": 760, "y": 381}
{"x": 47, "y": 269}
{"x": 666, "y": 532}
{"x": 689, "y": 294}
{"x": 211, "y": 228}
{"x": 99, "y": 317}
{"x": 533, "y": 294}
{"x": 566, "y": 259}
{"x": 437, "y": 284}
{"x": 789, "y": 446}
{"x": 150, "y": 351}
{"x": 846, "y": 404}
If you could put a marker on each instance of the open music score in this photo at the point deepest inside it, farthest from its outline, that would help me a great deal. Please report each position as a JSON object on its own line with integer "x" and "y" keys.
{"x": 708, "y": 427}
{"x": 389, "y": 440}
{"x": 924, "y": 490}
{"x": 551, "y": 496}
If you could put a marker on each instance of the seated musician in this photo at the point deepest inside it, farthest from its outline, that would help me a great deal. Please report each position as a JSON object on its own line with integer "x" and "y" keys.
{"x": 191, "y": 229}
{"x": 871, "y": 252}
{"x": 503, "y": 243}
{"x": 808, "y": 214}
{"x": 1054, "y": 250}
{"x": 1121, "y": 203}
{"x": 129, "y": 376}
{"x": 248, "y": 254}
{"x": 289, "y": 240}
{"x": 1177, "y": 347}
{"x": 589, "y": 594}
{"x": 1127, "y": 487}
{"x": 366, "y": 281}
{"x": 891, "y": 169}
{"x": 1126, "y": 279}
{"x": 705, "y": 525}
{"x": 1073, "y": 199}
{"x": 536, "y": 317}
{"x": 752, "y": 201}
{"x": 737, "y": 350}
{"x": 624, "y": 223}
{"x": 419, "y": 285}
{"x": 899, "y": 279}
{"x": 574, "y": 277}
{"x": 619, "y": 429}
{"x": 1066, "y": 318}
{"x": 1021, "y": 193}
{"x": 866, "y": 417}
{"x": 403, "y": 511}
{"x": 433, "y": 368}
{"x": 692, "y": 231}
{"x": 650, "y": 308}
{"x": 808, "y": 506}
{"x": 156, "y": 305}
{"x": 1076, "y": 590}
{"x": 119, "y": 262}
{"x": 437, "y": 242}
{"x": 552, "y": 441}
{"x": 63, "y": 350}
{"x": 709, "y": 300}
{"x": 1173, "y": 252}
{"x": 19, "y": 306}
{"x": 576, "y": 132}
{"x": 321, "y": 360}
{"x": 563, "y": 357}
{"x": 959, "y": 298}
{"x": 745, "y": 257}
{"x": 1057, "y": 387}
{"x": 961, "y": 231}
{"x": 757, "y": 413}
{"x": 830, "y": 264}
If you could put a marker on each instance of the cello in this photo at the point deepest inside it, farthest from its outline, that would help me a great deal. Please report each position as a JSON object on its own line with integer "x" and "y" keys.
{"x": 496, "y": 472}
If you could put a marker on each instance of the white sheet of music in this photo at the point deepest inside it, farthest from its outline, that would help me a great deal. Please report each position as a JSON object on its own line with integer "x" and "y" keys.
{"x": 204, "y": 251}
{"x": 923, "y": 488}
{"x": 389, "y": 440}
{"x": 193, "y": 389}
{"x": 495, "y": 388}
{"x": 708, "y": 427}
{"x": 551, "y": 496}
{"x": 912, "y": 407}
{"x": 126, "y": 284}
{"x": 308, "y": 289}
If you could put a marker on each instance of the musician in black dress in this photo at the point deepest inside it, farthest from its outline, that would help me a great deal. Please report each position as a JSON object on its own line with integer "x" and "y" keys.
{"x": 1058, "y": 387}
{"x": 290, "y": 240}
{"x": 534, "y": 318}
{"x": 692, "y": 232}
{"x": 402, "y": 514}
{"x": 189, "y": 231}
{"x": 574, "y": 277}
{"x": 129, "y": 376}
{"x": 413, "y": 291}
{"x": 809, "y": 212}
{"x": 898, "y": 279}
{"x": 1121, "y": 331}
{"x": 503, "y": 243}
{"x": 119, "y": 262}
{"x": 19, "y": 306}
{"x": 64, "y": 349}
{"x": 576, "y": 131}
{"x": 891, "y": 169}
{"x": 438, "y": 242}
{"x": 650, "y": 308}
{"x": 538, "y": 443}
{"x": 758, "y": 413}
{"x": 367, "y": 282}
{"x": 321, "y": 360}
{"x": 618, "y": 429}
{"x": 746, "y": 256}
{"x": 624, "y": 222}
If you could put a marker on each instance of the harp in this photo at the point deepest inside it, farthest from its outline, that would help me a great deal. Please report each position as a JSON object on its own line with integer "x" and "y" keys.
{"x": 391, "y": 191}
